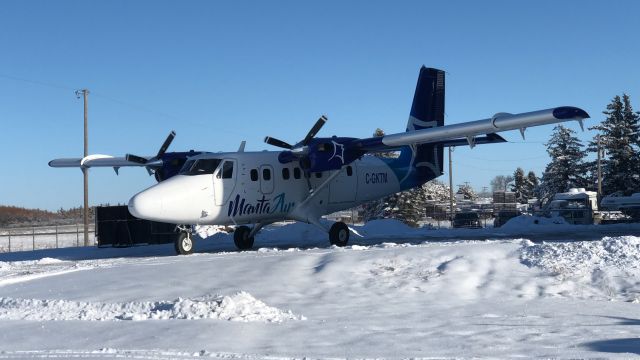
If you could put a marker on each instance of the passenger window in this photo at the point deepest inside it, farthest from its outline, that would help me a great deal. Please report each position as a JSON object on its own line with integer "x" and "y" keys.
{"x": 296, "y": 172}
{"x": 254, "y": 175}
{"x": 285, "y": 173}
{"x": 349, "y": 171}
{"x": 227, "y": 170}
{"x": 318, "y": 175}
{"x": 266, "y": 174}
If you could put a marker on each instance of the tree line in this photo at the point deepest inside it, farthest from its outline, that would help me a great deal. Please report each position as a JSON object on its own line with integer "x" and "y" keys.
{"x": 14, "y": 215}
{"x": 574, "y": 164}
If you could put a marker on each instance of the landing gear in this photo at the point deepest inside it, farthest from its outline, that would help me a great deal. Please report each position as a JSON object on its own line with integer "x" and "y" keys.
{"x": 339, "y": 234}
{"x": 242, "y": 238}
{"x": 184, "y": 242}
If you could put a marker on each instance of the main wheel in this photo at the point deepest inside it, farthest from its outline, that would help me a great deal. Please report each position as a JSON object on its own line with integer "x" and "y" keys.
{"x": 184, "y": 243}
{"x": 241, "y": 238}
{"x": 339, "y": 234}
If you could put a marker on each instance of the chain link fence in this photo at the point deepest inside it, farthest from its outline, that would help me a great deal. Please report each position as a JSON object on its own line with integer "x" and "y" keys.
{"x": 44, "y": 237}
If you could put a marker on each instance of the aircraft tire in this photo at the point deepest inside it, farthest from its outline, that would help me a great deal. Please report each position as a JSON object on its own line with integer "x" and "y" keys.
{"x": 241, "y": 238}
{"x": 184, "y": 243}
{"x": 339, "y": 234}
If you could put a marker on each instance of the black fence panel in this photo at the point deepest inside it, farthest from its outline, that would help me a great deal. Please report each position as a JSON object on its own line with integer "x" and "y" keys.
{"x": 115, "y": 226}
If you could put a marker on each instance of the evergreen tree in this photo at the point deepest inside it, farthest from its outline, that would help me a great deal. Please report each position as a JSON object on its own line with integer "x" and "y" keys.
{"x": 531, "y": 185}
{"x": 519, "y": 186}
{"x": 620, "y": 139}
{"x": 407, "y": 206}
{"x": 567, "y": 157}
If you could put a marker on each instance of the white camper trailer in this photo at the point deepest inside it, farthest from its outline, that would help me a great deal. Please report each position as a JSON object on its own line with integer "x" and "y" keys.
{"x": 576, "y": 206}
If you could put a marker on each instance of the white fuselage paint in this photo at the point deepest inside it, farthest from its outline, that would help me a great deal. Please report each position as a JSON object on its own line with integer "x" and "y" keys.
{"x": 208, "y": 199}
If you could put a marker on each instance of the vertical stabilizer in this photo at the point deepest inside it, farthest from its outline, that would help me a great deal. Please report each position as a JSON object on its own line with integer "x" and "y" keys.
{"x": 427, "y": 111}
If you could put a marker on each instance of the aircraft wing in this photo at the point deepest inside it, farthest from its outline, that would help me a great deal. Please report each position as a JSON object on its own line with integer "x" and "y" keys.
{"x": 452, "y": 134}
{"x": 98, "y": 160}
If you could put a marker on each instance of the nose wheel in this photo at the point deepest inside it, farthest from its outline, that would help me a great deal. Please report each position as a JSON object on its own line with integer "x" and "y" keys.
{"x": 184, "y": 242}
{"x": 339, "y": 234}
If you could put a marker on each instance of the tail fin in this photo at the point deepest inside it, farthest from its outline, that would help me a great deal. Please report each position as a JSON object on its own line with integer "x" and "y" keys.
{"x": 427, "y": 111}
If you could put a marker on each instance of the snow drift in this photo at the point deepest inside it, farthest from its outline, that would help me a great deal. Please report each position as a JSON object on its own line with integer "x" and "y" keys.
{"x": 608, "y": 268}
{"x": 239, "y": 307}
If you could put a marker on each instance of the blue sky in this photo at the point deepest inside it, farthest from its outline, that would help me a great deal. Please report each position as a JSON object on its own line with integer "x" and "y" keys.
{"x": 221, "y": 72}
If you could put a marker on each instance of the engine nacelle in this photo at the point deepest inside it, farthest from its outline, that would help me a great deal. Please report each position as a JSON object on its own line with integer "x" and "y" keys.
{"x": 172, "y": 163}
{"x": 324, "y": 154}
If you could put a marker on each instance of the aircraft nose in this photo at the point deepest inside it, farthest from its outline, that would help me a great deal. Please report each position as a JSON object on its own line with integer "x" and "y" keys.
{"x": 146, "y": 205}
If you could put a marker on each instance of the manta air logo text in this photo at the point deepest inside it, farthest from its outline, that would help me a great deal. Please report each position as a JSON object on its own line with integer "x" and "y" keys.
{"x": 241, "y": 206}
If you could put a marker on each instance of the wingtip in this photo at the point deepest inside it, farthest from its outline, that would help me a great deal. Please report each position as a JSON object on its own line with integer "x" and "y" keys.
{"x": 569, "y": 112}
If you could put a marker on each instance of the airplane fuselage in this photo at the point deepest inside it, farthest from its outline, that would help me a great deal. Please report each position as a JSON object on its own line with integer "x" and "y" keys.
{"x": 254, "y": 187}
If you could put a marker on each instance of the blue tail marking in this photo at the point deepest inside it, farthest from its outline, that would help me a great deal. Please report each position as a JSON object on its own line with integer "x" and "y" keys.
{"x": 418, "y": 164}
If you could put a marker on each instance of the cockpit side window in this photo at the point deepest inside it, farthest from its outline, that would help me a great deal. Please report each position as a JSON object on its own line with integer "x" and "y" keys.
{"x": 200, "y": 166}
{"x": 227, "y": 170}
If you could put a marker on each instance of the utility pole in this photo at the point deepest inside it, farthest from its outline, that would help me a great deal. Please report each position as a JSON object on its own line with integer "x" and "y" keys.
{"x": 599, "y": 170}
{"x": 85, "y": 171}
{"x": 450, "y": 186}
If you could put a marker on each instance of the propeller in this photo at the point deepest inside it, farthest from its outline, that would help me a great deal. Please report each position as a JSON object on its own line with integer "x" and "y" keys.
{"x": 278, "y": 143}
{"x": 300, "y": 147}
{"x": 161, "y": 152}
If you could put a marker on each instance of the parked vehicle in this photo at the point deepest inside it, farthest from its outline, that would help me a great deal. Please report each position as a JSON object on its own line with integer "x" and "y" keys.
{"x": 576, "y": 206}
{"x": 628, "y": 205}
{"x": 469, "y": 220}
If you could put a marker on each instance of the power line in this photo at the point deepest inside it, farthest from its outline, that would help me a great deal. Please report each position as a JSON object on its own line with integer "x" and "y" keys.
{"x": 114, "y": 100}
{"x": 483, "y": 168}
{"x": 36, "y": 82}
{"x": 527, "y": 142}
{"x": 508, "y": 160}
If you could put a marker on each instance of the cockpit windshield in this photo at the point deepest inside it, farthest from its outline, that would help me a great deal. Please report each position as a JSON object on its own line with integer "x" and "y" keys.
{"x": 200, "y": 166}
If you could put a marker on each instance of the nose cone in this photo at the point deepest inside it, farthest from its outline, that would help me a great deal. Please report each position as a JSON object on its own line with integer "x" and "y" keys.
{"x": 146, "y": 205}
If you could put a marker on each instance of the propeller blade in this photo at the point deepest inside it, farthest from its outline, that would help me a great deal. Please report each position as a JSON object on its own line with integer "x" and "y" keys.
{"x": 136, "y": 159}
{"x": 166, "y": 144}
{"x": 278, "y": 143}
{"x": 314, "y": 130}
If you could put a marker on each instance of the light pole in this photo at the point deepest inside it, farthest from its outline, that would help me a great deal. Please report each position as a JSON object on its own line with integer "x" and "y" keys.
{"x": 85, "y": 171}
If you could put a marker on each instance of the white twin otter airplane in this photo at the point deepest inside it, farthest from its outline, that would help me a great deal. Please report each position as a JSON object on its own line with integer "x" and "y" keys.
{"x": 312, "y": 178}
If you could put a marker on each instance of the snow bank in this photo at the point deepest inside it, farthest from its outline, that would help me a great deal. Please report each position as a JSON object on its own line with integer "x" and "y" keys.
{"x": 528, "y": 222}
{"x": 48, "y": 261}
{"x": 239, "y": 307}
{"x": 293, "y": 232}
{"x": 205, "y": 231}
{"x": 620, "y": 252}
{"x": 607, "y": 268}
{"x": 386, "y": 228}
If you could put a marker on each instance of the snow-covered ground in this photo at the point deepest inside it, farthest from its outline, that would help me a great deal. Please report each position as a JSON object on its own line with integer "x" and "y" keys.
{"x": 395, "y": 293}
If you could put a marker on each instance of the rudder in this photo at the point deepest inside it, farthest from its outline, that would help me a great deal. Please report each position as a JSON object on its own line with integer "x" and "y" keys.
{"x": 427, "y": 111}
